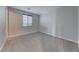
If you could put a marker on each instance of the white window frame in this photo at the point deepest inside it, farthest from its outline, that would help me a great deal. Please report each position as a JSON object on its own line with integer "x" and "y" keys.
{"x": 27, "y": 20}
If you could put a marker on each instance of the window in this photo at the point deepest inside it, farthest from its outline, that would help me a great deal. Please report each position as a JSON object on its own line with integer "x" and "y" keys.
{"x": 27, "y": 20}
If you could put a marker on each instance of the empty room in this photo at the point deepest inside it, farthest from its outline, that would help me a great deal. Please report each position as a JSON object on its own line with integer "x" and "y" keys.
{"x": 39, "y": 28}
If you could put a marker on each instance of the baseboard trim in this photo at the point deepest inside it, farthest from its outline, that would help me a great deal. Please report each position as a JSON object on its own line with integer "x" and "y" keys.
{"x": 16, "y": 35}
{"x": 61, "y": 37}
{"x": 66, "y": 39}
{"x": 45, "y": 33}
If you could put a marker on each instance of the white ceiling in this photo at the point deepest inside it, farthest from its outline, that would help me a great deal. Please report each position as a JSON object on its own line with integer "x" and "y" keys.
{"x": 36, "y": 9}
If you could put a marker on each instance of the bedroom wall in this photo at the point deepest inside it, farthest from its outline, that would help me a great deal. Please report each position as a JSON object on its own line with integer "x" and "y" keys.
{"x": 78, "y": 26}
{"x": 15, "y": 23}
{"x": 66, "y": 23}
{"x": 2, "y": 25}
{"x": 61, "y": 22}
{"x": 56, "y": 21}
{"x": 47, "y": 16}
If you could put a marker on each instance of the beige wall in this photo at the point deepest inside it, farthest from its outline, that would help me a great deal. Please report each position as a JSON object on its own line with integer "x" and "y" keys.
{"x": 15, "y": 23}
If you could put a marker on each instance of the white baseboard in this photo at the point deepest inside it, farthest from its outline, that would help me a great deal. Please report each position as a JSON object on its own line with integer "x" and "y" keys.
{"x": 66, "y": 39}
{"x": 61, "y": 37}
{"x": 45, "y": 33}
{"x": 16, "y": 35}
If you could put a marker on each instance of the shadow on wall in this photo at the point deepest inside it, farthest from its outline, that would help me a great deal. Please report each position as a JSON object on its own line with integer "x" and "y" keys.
{"x": 43, "y": 28}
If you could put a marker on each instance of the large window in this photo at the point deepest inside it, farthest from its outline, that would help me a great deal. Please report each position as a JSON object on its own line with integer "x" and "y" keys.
{"x": 27, "y": 20}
